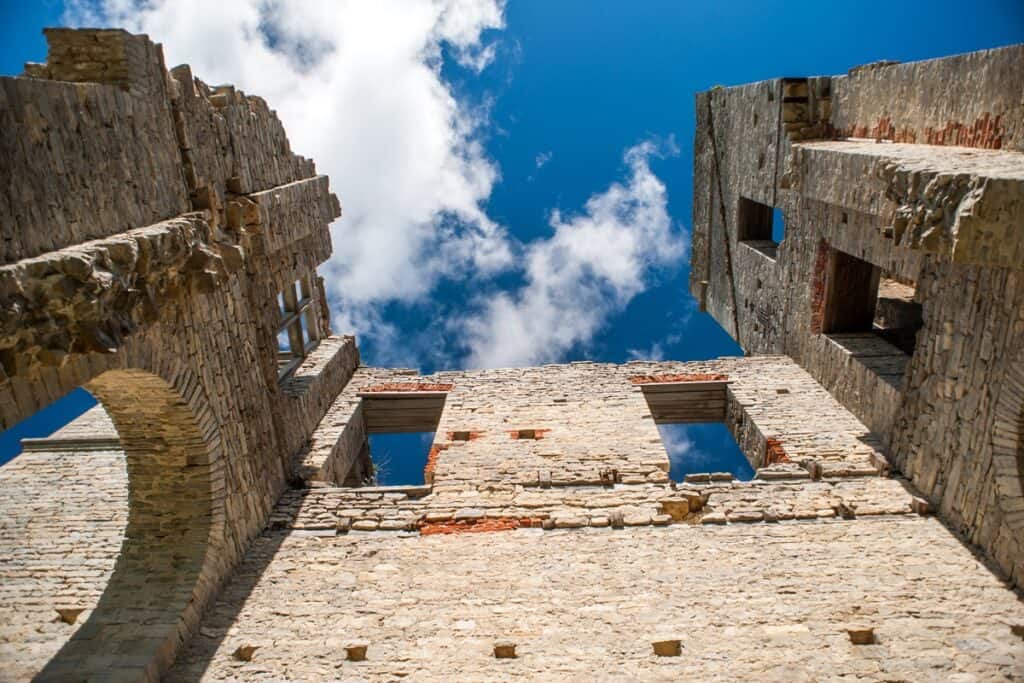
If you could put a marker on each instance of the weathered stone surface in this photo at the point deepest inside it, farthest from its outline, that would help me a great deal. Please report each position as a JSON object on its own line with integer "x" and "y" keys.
{"x": 590, "y": 602}
{"x": 121, "y": 272}
{"x": 235, "y": 515}
{"x": 902, "y": 192}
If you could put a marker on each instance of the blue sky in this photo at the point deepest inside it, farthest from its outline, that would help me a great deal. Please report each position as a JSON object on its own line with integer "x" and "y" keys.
{"x": 516, "y": 178}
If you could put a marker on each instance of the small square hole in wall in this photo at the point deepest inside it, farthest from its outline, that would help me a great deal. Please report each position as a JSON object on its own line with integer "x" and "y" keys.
{"x": 528, "y": 434}
{"x": 400, "y": 458}
{"x": 461, "y": 436}
{"x": 760, "y": 227}
{"x": 703, "y": 447}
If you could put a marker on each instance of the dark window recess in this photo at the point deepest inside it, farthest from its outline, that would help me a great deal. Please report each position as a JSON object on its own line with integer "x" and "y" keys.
{"x": 871, "y": 314}
{"x": 897, "y": 316}
{"x": 859, "y": 297}
{"x": 760, "y": 227}
{"x": 297, "y": 332}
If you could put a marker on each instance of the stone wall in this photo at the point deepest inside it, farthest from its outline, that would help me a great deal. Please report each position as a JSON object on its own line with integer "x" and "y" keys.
{"x": 592, "y": 455}
{"x": 747, "y": 602}
{"x": 64, "y": 510}
{"x": 430, "y": 579}
{"x": 149, "y": 224}
{"x": 918, "y": 213}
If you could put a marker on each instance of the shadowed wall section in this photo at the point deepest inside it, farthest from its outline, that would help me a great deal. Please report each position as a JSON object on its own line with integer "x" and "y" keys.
{"x": 148, "y": 224}
{"x": 170, "y": 561}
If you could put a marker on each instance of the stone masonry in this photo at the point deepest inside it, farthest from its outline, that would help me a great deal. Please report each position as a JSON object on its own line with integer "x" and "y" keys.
{"x": 899, "y": 284}
{"x": 217, "y": 519}
{"x": 149, "y": 224}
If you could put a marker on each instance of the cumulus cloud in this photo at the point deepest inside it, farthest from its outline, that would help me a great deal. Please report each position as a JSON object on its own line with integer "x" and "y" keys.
{"x": 656, "y": 351}
{"x": 680, "y": 445}
{"x": 592, "y": 265}
{"x": 359, "y": 88}
{"x": 542, "y": 159}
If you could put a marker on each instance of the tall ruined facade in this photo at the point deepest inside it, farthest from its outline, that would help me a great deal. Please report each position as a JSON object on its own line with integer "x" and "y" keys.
{"x": 899, "y": 284}
{"x": 212, "y": 520}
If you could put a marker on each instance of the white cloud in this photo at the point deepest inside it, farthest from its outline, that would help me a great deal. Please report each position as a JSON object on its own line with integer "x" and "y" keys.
{"x": 655, "y": 352}
{"x": 359, "y": 88}
{"x": 679, "y": 444}
{"x": 589, "y": 269}
{"x": 358, "y": 85}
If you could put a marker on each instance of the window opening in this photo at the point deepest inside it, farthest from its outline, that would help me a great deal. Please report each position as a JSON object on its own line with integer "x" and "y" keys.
{"x": 690, "y": 416}
{"x": 871, "y": 313}
{"x": 778, "y": 226}
{"x": 701, "y": 447}
{"x": 297, "y": 333}
{"x": 399, "y": 459}
{"x": 400, "y": 428}
{"x": 760, "y": 227}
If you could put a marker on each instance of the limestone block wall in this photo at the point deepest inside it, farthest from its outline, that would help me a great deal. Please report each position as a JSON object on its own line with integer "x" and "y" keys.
{"x": 820, "y": 541}
{"x": 63, "y": 515}
{"x": 747, "y": 601}
{"x": 145, "y": 263}
{"x": 963, "y": 406}
{"x": 960, "y": 100}
{"x": 595, "y": 454}
{"x": 942, "y": 143}
{"x": 86, "y": 160}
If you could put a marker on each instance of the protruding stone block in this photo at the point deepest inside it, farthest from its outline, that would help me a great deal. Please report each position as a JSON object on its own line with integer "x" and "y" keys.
{"x": 920, "y": 505}
{"x": 69, "y": 615}
{"x": 861, "y": 634}
{"x": 677, "y": 509}
{"x": 670, "y": 647}
{"x": 244, "y": 653}
{"x": 505, "y": 650}
{"x": 356, "y": 652}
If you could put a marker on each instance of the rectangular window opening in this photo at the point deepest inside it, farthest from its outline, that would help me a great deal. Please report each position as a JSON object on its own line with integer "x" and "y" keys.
{"x": 690, "y": 417}
{"x": 400, "y": 429}
{"x": 297, "y": 332}
{"x": 399, "y": 458}
{"x": 760, "y": 227}
{"x": 872, "y": 314}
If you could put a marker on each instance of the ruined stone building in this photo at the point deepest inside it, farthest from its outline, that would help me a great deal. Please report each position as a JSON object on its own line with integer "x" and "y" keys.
{"x": 212, "y": 519}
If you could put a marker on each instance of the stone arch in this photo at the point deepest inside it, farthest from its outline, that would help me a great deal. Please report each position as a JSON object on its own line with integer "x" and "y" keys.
{"x": 1008, "y": 447}
{"x": 172, "y": 558}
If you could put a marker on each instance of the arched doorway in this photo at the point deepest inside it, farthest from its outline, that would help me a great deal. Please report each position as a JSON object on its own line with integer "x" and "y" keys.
{"x": 1008, "y": 467}
{"x": 168, "y": 563}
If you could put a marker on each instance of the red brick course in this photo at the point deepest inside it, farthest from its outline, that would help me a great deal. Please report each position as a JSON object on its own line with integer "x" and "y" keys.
{"x": 475, "y": 526}
{"x": 693, "y": 377}
{"x": 986, "y": 132}
{"x": 405, "y": 386}
{"x": 818, "y": 287}
{"x": 775, "y": 453}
